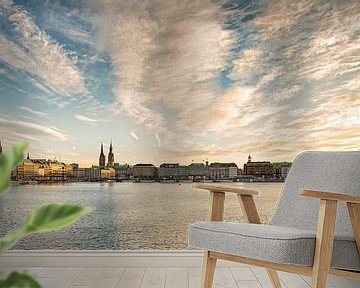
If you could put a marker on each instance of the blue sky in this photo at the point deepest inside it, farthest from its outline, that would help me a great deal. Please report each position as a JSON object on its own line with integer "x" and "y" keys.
{"x": 179, "y": 81}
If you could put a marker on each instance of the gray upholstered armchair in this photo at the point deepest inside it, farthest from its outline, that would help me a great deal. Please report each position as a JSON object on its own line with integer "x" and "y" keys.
{"x": 315, "y": 229}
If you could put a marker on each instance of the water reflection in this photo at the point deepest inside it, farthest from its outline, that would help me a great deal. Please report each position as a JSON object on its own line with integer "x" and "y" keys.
{"x": 126, "y": 216}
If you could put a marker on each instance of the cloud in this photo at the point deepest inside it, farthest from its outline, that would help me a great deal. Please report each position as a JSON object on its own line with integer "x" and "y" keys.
{"x": 50, "y": 66}
{"x": 35, "y": 112}
{"x": 196, "y": 73}
{"x": 163, "y": 53}
{"x": 134, "y": 136}
{"x": 206, "y": 77}
{"x": 32, "y": 128}
{"x": 157, "y": 137}
{"x": 86, "y": 119}
{"x": 71, "y": 23}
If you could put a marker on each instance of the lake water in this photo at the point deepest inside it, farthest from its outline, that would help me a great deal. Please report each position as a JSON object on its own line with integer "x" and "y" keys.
{"x": 127, "y": 216}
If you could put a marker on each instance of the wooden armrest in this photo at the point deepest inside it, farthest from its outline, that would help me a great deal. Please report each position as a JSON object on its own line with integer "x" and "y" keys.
{"x": 231, "y": 189}
{"x": 217, "y": 200}
{"x": 330, "y": 196}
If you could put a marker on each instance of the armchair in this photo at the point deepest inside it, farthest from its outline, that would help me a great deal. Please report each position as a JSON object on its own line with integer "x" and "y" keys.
{"x": 313, "y": 232}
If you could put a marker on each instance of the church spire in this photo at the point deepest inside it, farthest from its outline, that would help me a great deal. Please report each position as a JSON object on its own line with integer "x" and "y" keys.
{"x": 102, "y": 156}
{"x": 111, "y": 155}
{"x": 249, "y": 158}
{"x": 28, "y": 155}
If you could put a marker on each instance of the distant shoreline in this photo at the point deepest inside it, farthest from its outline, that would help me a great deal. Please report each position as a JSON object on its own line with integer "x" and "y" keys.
{"x": 39, "y": 182}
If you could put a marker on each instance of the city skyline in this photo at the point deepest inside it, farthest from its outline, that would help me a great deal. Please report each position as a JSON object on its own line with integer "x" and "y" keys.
{"x": 170, "y": 81}
{"x": 108, "y": 163}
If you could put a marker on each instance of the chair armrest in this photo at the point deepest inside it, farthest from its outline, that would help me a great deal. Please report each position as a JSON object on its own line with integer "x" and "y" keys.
{"x": 330, "y": 196}
{"x": 217, "y": 198}
{"x": 222, "y": 189}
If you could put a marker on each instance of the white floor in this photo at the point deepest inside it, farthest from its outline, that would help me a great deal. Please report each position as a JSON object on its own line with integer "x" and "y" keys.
{"x": 167, "y": 277}
{"x": 109, "y": 269}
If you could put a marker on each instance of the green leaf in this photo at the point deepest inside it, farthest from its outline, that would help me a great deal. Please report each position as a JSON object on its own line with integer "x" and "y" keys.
{"x": 11, "y": 238}
{"x": 9, "y": 159}
{"x": 19, "y": 280}
{"x": 51, "y": 217}
{"x": 46, "y": 218}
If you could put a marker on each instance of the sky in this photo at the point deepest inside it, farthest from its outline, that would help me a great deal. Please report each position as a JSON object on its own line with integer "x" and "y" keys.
{"x": 179, "y": 81}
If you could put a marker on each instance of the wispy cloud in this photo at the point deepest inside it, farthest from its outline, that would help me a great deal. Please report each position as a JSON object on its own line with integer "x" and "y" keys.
{"x": 158, "y": 139}
{"x": 34, "y": 112}
{"x": 133, "y": 135}
{"x": 33, "y": 128}
{"x": 48, "y": 65}
{"x": 37, "y": 54}
{"x": 86, "y": 119}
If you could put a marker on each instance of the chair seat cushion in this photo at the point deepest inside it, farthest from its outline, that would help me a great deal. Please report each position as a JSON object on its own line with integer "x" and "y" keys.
{"x": 270, "y": 243}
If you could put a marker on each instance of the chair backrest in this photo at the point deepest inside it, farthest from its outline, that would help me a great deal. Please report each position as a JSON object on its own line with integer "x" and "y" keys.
{"x": 325, "y": 171}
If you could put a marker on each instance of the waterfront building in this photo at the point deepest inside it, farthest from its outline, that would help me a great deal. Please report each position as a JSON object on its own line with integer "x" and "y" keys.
{"x": 145, "y": 171}
{"x": 74, "y": 165}
{"x": 27, "y": 170}
{"x": 92, "y": 173}
{"x": 223, "y": 171}
{"x": 43, "y": 167}
{"x": 43, "y": 170}
{"x": 285, "y": 171}
{"x": 262, "y": 169}
{"x": 172, "y": 171}
{"x": 183, "y": 173}
{"x": 122, "y": 172}
{"x": 198, "y": 171}
{"x": 79, "y": 173}
{"x": 102, "y": 156}
{"x": 60, "y": 171}
{"x": 107, "y": 173}
{"x": 281, "y": 169}
{"x": 111, "y": 159}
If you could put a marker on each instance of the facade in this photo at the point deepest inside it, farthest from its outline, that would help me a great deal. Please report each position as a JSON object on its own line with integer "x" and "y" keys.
{"x": 27, "y": 170}
{"x": 43, "y": 170}
{"x": 262, "y": 169}
{"x": 198, "y": 171}
{"x": 172, "y": 171}
{"x": 107, "y": 173}
{"x": 281, "y": 169}
{"x": 183, "y": 172}
{"x": 92, "y": 173}
{"x": 145, "y": 171}
{"x": 223, "y": 171}
{"x": 79, "y": 173}
{"x": 122, "y": 172}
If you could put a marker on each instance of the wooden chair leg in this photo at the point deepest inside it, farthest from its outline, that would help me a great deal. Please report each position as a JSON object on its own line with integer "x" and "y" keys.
{"x": 274, "y": 278}
{"x": 208, "y": 271}
{"x": 324, "y": 243}
{"x": 354, "y": 212}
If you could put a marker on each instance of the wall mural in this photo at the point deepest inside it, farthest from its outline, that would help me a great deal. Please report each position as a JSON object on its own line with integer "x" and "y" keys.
{"x": 97, "y": 87}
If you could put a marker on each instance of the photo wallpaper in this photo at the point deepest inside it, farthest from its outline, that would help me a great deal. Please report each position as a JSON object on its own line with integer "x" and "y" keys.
{"x": 126, "y": 103}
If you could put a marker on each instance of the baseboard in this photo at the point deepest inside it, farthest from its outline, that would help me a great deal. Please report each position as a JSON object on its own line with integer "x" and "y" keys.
{"x": 105, "y": 258}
